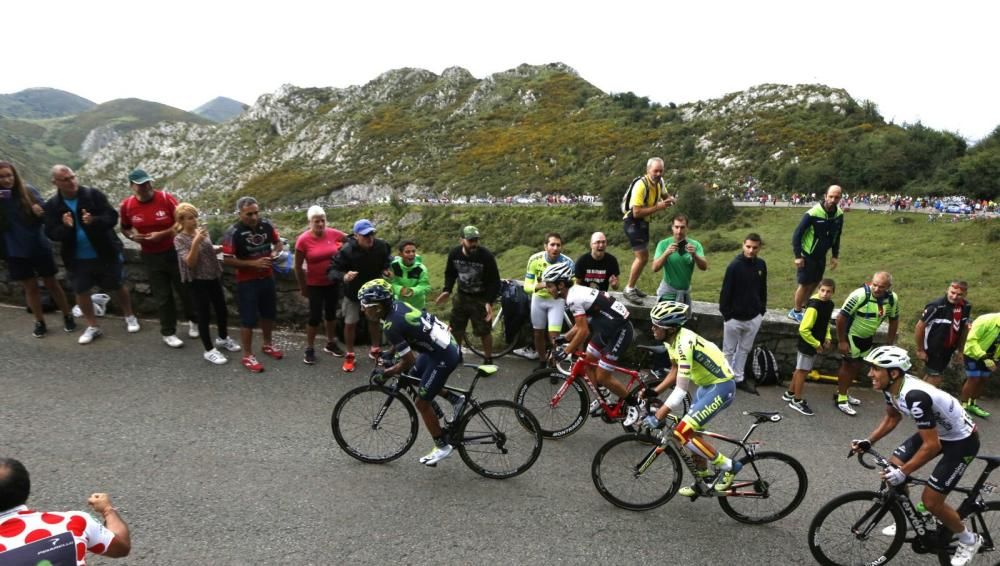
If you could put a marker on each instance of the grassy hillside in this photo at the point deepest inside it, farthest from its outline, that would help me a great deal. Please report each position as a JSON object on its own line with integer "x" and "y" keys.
{"x": 42, "y": 103}
{"x": 124, "y": 115}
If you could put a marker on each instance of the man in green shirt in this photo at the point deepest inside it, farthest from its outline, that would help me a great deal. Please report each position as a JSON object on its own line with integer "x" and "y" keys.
{"x": 677, "y": 256}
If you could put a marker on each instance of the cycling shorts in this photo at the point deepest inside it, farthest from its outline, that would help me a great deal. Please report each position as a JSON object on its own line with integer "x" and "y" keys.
{"x": 609, "y": 343}
{"x": 709, "y": 401}
{"x": 434, "y": 370}
{"x": 547, "y": 314}
{"x": 859, "y": 347}
{"x": 955, "y": 458}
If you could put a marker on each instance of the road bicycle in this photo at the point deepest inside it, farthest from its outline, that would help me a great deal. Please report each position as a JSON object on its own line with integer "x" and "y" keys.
{"x": 562, "y": 403}
{"x": 377, "y": 423}
{"x": 642, "y": 471}
{"x": 854, "y": 527}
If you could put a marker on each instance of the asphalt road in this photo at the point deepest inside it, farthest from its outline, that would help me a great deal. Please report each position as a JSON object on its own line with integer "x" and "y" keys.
{"x": 213, "y": 465}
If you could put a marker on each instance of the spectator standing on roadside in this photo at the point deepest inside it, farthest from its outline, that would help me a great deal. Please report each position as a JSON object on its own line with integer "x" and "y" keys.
{"x": 743, "y": 302}
{"x": 814, "y": 337}
{"x": 941, "y": 331}
{"x": 83, "y": 221}
{"x": 363, "y": 257}
{"x": 314, "y": 250}
{"x": 54, "y": 537}
{"x": 548, "y": 313}
{"x": 677, "y": 256}
{"x": 474, "y": 269}
{"x": 25, "y": 248}
{"x": 410, "y": 279}
{"x": 857, "y": 322}
{"x": 147, "y": 217}
{"x": 200, "y": 271}
{"x": 649, "y": 196}
{"x": 982, "y": 351}
{"x": 598, "y": 269}
{"x": 817, "y": 233}
{"x": 250, "y": 246}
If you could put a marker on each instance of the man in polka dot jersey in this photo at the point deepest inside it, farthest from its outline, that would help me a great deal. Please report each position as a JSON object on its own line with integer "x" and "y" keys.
{"x": 58, "y": 538}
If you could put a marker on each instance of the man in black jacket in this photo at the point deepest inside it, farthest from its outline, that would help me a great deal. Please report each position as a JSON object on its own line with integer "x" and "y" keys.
{"x": 475, "y": 270}
{"x": 742, "y": 302}
{"x": 362, "y": 258}
{"x": 83, "y": 221}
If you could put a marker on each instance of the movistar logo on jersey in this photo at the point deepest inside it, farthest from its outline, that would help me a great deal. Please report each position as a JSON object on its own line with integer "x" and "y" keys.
{"x": 413, "y": 315}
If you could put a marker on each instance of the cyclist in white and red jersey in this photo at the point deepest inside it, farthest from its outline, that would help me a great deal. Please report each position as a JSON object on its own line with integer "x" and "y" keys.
{"x": 943, "y": 427}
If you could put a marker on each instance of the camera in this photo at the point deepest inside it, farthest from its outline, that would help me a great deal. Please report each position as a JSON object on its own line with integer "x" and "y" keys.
{"x": 682, "y": 247}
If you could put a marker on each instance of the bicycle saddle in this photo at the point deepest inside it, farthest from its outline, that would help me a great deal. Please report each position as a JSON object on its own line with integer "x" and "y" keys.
{"x": 656, "y": 349}
{"x": 773, "y": 416}
{"x": 991, "y": 460}
{"x": 483, "y": 370}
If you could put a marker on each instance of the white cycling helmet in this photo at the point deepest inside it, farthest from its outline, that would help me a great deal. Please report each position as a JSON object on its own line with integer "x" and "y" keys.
{"x": 562, "y": 271}
{"x": 889, "y": 357}
{"x": 669, "y": 314}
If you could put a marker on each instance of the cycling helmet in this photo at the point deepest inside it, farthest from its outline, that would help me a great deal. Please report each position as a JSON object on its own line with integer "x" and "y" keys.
{"x": 374, "y": 292}
{"x": 889, "y": 357}
{"x": 561, "y": 271}
{"x": 667, "y": 314}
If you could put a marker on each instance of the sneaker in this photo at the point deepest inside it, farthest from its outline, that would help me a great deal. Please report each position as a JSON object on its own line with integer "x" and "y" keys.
{"x": 456, "y": 409}
{"x": 639, "y": 292}
{"x": 374, "y": 353}
{"x": 228, "y": 343}
{"x": 632, "y": 295}
{"x": 801, "y": 406}
{"x": 173, "y": 341}
{"x": 89, "y": 334}
{"x": 788, "y": 396}
{"x": 132, "y": 324}
{"x": 975, "y": 410}
{"x": 527, "y": 353}
{"x": 439, "y": 453}
{"x": 334, "y": 350}
{"x": 966, "y": 552}
{"x": 272, "y": 351}
{"x": 216, "y": 357}
{"x": 250, "y": 362}
{"x": 348, "y": 362}
{"x": 40, "y": 329}
{"x": 193, "y": 329}
{"x": 853, "y": 400}
{"x": 847, "y": 409}
{"x": 728, "y": 476}
{"x": 795, "y": 315}
{"x": 310, "y": 356}
{"x": 69, "y": 324}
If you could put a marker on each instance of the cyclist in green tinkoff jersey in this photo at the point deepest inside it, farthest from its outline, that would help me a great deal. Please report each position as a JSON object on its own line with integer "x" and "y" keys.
{"x": 942, "y": 428}
{"x": 605, "y": 320}
{"x": 858, "y": 321}
{"x": 407, "y": 329}
{"x": 698, "y": 361}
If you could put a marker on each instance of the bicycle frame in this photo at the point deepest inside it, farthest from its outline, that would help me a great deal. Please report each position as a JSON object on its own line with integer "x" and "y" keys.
{"x": 579, "y": 370}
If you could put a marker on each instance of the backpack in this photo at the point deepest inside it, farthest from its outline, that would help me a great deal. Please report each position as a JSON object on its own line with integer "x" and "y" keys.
{"x": 627, "y": 199}
{"x": 762, "y": 367}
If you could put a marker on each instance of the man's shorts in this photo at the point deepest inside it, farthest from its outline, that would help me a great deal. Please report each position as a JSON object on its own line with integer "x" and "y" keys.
{"x": 637, "y": 232}
{"x": 465, "y": 308}
{"x": 21, "y": 268}
{"x": 976, "y": 368}
{"x": 257, "y": 298}
{"x": 937, "y": 360}
{"x": 433, "y": 371}
{"x": 90, "y": 273}
{"x": 804, "y": 362}
{"x": 812, "y": 271}
{"x": 608, "y": 344}
{"x": 859, "y": 347}
{"x": 955, "y": 456}
{"x": 547, "y": 314}
{"x": 351, "y": 311}
{"x": 710, "y": 401}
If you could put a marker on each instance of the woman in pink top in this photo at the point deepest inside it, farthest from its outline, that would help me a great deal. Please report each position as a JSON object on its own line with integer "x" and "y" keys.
{"x": 313, "y": 251}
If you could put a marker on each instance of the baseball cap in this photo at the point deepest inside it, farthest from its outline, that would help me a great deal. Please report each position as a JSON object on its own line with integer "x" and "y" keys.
{"x": 364, "y": 227}
{"x": 139, "y": 177}
{"x": 470, "y": 233}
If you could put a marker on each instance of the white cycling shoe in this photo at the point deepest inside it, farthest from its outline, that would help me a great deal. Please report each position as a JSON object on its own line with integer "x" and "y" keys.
{"x": 436, "y": 455}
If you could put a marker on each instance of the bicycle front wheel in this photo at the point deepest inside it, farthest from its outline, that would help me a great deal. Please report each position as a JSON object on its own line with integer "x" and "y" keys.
{"x": 769, "y": 487}
{"x": 374, "y": 424}
{"x": 499, "y": 439}
{"x": 848, "y": 530}
{"x": 632, "y": 473}
{"x": 985, "y": 523}
{"x": 501, "y": 345}
{"x": 557, "y": 418}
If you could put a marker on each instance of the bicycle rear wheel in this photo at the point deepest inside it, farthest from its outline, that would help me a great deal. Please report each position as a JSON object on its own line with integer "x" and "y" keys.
{"x": 537, "y": 392}
{"x": 769, "y": 487}
{"x": 848, "y": 530}
{"x": 499, "y": 439}
{"x": 501, "y": 346}
{"x": 628, "y": 473}
{"x": 373, "y": 424}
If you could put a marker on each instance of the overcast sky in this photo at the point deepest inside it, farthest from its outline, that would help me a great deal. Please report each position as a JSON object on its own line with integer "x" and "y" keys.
{"x": 932, "y": 62}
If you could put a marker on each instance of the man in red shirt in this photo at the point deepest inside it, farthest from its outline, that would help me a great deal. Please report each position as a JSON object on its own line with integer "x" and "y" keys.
{"x": 35, "y": 537}
{"x": 147, "y": 217}
{"x": 250, "y": 245}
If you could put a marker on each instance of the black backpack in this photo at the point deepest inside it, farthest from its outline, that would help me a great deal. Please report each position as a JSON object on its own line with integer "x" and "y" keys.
{"x": 627, "y": 199}
{"x": 762, "y": 367}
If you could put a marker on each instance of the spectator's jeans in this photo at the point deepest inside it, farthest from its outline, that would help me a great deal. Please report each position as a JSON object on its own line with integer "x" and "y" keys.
{"x": 737, "y": 341}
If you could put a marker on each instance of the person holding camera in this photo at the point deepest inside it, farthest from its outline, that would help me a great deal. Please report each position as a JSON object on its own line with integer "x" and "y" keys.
{"x": 677, "y": 256}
